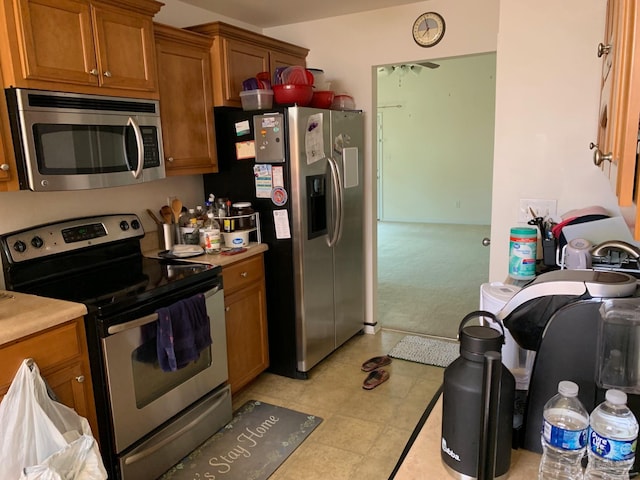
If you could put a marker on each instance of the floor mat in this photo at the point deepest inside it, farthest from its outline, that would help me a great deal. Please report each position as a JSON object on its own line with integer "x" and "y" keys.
{"x": 430, "y": 351}
{"x": 252, "y": 445}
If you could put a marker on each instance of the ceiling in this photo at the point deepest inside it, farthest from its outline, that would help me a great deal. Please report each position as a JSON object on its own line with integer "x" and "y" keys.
{"x": 272, "y": 13}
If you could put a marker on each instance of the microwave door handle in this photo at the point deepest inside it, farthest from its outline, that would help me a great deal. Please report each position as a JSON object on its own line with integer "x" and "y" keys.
{"x": 138, "y": 133}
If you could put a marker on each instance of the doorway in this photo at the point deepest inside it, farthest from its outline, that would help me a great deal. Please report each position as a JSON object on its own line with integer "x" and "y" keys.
{"x": 435, "y": 127}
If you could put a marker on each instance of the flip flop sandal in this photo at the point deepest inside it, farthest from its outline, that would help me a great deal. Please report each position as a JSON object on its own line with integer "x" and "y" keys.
{"x": 376, "y": 362}
{"x": 375, "y": 378}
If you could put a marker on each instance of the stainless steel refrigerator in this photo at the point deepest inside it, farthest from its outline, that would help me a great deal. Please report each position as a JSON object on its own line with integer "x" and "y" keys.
{"x": 302, "y": 170}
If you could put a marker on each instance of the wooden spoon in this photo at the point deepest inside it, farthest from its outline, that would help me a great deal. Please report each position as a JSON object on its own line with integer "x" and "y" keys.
{"x": 176, "y": 207}
{"x": 167, "y": 214}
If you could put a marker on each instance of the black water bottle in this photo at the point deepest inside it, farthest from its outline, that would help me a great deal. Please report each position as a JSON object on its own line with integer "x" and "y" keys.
{"x": 467, "y": 392}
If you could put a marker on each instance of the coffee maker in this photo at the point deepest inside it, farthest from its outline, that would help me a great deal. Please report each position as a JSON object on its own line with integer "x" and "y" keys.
{"x": 583, "y": 326}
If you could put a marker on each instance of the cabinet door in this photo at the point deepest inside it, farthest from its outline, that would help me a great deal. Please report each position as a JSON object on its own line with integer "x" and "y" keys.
{"x": 8, "y": 174}
{"x": 241, "y": 61}
{"x": 126, "y": 49}
{"x": 279, "y": 59}
{"x": 619, "y": 100}
{"x": 57, "y": 41}
{"x": 247, "y": 341}
{"x": 186, "y": 107}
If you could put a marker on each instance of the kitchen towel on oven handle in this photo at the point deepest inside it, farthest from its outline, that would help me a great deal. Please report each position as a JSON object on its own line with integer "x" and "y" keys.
{"x": 183, "y": 332}
{"x": 41, "y": 438}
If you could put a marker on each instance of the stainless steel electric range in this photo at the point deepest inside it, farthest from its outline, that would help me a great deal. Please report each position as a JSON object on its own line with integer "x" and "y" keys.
{"x": 148, "y": 418}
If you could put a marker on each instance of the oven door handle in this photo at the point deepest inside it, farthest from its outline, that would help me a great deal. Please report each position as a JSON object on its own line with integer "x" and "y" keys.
{"x": 154, "y": 448}
{"x": 138, "y": 322}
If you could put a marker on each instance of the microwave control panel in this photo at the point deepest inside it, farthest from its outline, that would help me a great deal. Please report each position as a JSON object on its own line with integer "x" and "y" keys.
{"x": 269, "y": 138}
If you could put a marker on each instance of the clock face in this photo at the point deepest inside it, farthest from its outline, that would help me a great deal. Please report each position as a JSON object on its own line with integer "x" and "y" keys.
{"x": 428, "y": 29}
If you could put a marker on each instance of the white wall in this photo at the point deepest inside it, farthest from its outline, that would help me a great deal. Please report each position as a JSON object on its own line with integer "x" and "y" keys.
{"x": 436, "y": 140}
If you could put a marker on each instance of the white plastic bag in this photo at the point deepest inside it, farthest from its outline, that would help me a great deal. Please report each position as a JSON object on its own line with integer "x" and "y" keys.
{"x": 43, "y": 439}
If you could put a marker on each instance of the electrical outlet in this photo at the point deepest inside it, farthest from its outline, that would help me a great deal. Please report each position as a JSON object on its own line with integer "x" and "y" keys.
{"x": 540, "y": 207}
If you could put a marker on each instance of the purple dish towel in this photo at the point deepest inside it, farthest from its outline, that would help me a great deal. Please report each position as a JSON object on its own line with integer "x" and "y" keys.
{"x": 183, "y": 332}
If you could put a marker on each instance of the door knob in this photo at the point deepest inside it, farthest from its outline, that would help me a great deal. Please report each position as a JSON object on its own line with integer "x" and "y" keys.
{"x": 80, "y": 379}
{"x": 4, "y": 167}
{"x": 486, "y": 242}
{"x": 603, "y": 49}
{"x": 598, "y": 156}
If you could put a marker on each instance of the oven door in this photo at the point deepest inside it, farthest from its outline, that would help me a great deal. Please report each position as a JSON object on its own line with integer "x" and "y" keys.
{"x": 142, "y": 395}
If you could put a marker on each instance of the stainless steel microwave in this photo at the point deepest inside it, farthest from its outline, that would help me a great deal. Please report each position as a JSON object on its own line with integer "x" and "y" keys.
{"x": 68, "y": 141}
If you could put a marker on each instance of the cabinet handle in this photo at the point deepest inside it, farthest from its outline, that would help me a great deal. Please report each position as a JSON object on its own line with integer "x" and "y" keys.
{"x": 94, "y": 72}
{"x": 226, "y": 309}
{"x": 170, "y": 159}
{"x": 80, "y": 379}
{"x": 598, "y": 156}
{"x": 107, "y": 74}
{"x": 603, "y": 49}
{"x": 244, "y": 274}
{"x": 4, "y": 167}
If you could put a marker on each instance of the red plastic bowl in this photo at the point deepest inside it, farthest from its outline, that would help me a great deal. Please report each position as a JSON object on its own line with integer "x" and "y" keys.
{"x": 322, "y": 99}
{"x": 293, "y": 94}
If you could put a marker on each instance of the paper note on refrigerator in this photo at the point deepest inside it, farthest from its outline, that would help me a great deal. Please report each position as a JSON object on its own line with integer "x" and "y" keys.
{"x": 263, "y": 180}
{"x": 281, "y": 220}
{"x": 313, "y": 139}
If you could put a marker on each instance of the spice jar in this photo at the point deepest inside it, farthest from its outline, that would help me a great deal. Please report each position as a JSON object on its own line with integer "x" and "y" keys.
{"x": 246, "y": 219}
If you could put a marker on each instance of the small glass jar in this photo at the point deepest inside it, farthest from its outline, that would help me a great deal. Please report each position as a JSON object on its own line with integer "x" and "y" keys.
{"x": 245, "y": 212}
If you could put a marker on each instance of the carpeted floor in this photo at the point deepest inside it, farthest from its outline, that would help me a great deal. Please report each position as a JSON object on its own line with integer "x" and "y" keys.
{"x": 429, "y": 275}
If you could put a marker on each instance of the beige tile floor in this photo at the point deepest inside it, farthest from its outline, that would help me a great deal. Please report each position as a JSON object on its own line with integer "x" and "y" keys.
{"x": 363, "y": 432}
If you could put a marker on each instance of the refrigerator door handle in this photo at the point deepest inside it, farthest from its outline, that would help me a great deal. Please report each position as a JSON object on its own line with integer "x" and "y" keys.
{"x": 336, "y": 233}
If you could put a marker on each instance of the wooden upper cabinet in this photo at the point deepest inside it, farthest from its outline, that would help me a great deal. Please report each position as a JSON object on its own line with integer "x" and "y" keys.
{"x": 619, "y": 113}
{"x": 186, "y": 101}
{"x": 80, "y": 45}
{"x": 238, "y": 54}
{"x": 8, "y": 173}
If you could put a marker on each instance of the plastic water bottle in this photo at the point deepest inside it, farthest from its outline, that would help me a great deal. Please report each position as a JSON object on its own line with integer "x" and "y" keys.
{"x": 613, "y": 432}
{"x": 564, "y": 435}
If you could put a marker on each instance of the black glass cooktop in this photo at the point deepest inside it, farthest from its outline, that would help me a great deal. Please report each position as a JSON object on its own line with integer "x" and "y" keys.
{"x": 119, "y": 284}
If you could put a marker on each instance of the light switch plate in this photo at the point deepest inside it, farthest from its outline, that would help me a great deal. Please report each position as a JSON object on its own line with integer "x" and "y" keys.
{"x": 544, "y": 208}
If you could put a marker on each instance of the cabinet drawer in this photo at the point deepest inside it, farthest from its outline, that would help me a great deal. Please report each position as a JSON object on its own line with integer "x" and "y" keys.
{"x": 241, "y": 274}
{"x": 47, "y": 349}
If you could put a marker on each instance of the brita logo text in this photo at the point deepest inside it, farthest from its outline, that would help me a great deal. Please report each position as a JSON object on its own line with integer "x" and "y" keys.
{"x": 449, "y": 452}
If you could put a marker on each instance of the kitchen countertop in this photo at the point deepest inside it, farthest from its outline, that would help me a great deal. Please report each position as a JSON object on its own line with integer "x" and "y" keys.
{"x": 22, "y": 314}
{"x": 423, "y": 461}
{"x": 222, "y": 260}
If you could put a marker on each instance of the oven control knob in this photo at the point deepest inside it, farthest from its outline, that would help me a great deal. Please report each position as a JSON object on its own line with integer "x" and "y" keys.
{"x": 124, "y": 225}
{"x": 37, "y": 242}
{"x": 20, "y": 246}
{"x": 135, "y": 224}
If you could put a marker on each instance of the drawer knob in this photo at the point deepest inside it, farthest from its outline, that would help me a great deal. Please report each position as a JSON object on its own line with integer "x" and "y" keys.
{"x": 4, "y": 167}
{"x": 226, "y": 309}
{"x": 80, "y": 379}
{"x": 244, "y": 274}
{"x": 94, "y": 72}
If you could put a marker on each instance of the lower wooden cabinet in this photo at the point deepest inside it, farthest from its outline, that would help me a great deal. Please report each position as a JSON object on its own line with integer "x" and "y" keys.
{"x": 61, "y": 355}
{"x": 246, "y": 320}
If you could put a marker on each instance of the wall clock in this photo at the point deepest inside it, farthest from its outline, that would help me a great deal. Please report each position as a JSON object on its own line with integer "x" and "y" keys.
{"x": 428, "y": 29}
